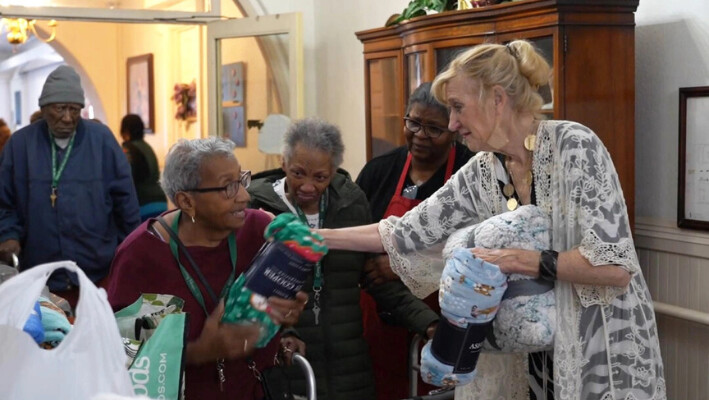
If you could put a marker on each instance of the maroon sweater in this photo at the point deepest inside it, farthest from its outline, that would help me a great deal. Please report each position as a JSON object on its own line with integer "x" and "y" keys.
{"x": 144, "y": 264}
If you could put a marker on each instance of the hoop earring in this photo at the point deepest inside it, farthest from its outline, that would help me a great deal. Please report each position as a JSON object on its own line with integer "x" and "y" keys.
{"x": 192, "y": 216}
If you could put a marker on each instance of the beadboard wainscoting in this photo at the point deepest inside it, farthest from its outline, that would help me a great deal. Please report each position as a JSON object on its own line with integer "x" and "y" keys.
{"x": 675, "y": 263}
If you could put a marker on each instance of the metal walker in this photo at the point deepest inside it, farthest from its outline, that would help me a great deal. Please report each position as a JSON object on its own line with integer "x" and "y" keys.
{"x": 415, "y": 369}
{"x": 8, "y": 271}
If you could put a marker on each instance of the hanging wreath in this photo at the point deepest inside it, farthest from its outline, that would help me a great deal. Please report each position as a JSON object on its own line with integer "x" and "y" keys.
{"x": 185, "y": 96}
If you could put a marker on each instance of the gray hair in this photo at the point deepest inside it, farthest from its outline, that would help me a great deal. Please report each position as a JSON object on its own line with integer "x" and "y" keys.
{"x": 314, "y": 134}
{"x": 423, "y": 96}
{"x": 184, "y": 160}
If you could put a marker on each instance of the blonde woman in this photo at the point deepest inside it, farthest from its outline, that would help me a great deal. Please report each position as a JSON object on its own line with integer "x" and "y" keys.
{"x": 606, "y": 343}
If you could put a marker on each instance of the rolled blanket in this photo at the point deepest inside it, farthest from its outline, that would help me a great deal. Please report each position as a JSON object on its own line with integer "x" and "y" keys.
{"x": 55, "y": 323}
{"x": 33, "y": 326}
{"x": 527, "y": 316}
{"x": 470, "y": 294}
{"x": 279, "y": 269}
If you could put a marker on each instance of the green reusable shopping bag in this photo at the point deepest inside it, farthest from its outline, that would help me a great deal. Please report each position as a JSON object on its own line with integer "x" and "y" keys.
{"x": 154, "y": 331}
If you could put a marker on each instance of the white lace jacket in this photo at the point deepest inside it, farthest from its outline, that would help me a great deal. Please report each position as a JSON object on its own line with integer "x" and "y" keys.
{"x": 606, "y": 344}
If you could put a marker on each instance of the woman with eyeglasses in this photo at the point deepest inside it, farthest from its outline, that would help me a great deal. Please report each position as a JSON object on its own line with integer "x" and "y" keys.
{"x": 220, "y": 237}
{"x": 310, "y": 185}
{"x": 394, "y": 183}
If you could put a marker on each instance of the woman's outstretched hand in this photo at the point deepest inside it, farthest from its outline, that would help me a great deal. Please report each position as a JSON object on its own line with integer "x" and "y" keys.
{"x": 511, "y": 261}
{"x": 222, "y": 340}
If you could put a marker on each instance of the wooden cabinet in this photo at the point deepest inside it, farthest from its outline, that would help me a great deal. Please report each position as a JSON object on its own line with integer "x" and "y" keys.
{"x": 590, "y": 44}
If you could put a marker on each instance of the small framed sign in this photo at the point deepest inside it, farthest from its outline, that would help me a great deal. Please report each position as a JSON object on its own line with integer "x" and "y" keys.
{"x": 693, "y": 191}
{"x": 139, "y": 75}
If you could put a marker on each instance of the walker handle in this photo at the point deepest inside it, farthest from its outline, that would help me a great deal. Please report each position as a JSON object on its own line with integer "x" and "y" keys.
{"x": 303, "y": 363}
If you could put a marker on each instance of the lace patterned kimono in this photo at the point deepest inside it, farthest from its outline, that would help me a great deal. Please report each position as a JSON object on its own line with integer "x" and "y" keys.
{"x": 606, "y": 344}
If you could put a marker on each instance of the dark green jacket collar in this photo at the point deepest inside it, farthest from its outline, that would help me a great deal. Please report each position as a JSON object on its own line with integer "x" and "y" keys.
{"x": 342, "y": 193}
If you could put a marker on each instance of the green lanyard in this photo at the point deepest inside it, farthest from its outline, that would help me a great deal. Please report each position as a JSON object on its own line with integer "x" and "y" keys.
{"x": 191, "y": 284}
{"x": 317, "y": 279}
{"x": 57, "y": 173}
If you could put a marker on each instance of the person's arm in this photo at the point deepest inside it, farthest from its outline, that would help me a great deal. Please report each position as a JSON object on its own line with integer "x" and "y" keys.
{"x": 363, "y": 238}
{"x": 126, "y": 211}
{"x": 218, "y": 340}
{"x": 377, "y": 270}
{"x": 395, "y": 299}
{"x": 593, "y": 197}
{"x": 571, "y": 266}
{"x": 130, "y": 153}
{"x": 11, "y": 229}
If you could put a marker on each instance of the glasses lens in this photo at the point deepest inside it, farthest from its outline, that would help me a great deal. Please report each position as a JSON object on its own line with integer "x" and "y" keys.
{"x": 433, "y": 131}
{"x": 231, "y": 189}
{"x": 412, "y": 125}
{"x": 246, "y": 179}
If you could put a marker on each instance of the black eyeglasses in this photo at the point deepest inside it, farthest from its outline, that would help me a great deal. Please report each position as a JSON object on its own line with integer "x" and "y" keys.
{"x": 230, "y": 189}
{"x": 431, "y": 131}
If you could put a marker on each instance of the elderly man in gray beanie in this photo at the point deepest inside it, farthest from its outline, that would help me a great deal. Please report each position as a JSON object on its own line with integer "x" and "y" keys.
{"x": 62, "y": 92}
{"x": 65, "y": 188}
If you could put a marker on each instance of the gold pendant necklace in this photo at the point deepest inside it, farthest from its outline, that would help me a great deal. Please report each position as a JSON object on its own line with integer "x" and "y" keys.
{"x": 508, "y": 190}
{"x": 530, "y": 142}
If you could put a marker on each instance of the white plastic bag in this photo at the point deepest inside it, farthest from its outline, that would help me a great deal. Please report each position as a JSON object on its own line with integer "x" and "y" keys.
{"x": 88, "y": 362}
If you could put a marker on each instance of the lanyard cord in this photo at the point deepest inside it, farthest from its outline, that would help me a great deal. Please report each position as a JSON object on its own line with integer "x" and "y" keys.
{"x": 176, "y": 244}
{"x": 317, "y": 278}
{"x": 57, "y": 173}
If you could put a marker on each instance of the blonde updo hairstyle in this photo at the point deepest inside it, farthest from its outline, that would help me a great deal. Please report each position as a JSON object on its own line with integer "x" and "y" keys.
{"x": 517, "y": 67}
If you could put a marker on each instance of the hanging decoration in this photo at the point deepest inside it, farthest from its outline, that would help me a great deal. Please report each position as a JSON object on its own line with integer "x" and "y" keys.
{"x": 20, "y": 29}
{"x": 185, "y": 97}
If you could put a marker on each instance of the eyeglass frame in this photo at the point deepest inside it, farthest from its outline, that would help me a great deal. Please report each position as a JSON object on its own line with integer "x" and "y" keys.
{"x": 245, "y": 175}
{"x": 425, "y": 128}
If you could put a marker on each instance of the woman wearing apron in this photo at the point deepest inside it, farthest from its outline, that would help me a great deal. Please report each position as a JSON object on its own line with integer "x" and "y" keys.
{"x": 395, "y": 183}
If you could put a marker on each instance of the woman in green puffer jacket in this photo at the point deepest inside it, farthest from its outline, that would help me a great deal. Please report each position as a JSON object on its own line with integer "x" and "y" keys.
{"x": 310, "y": 185}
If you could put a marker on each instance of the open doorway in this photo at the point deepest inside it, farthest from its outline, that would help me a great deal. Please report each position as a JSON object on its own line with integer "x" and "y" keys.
{"x": 99, "y": 51}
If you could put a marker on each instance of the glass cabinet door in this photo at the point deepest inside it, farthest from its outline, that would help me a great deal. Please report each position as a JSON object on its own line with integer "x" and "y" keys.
{"x": 445, "y": 55}
{"x": 543, "y": 41}
{"x": 384, "y": 105}
{"x": 545, "y": 45}
{"x": 414, "y": 72}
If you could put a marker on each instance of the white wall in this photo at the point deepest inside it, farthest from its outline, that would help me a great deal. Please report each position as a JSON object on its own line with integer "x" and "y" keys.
{"x": 671, "y": 51}
{"x": 32, "y": 83}
{"x": 334, "y": 65}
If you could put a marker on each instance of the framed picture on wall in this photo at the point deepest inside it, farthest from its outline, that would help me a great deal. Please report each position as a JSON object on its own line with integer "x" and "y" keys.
{"x": 234, "y": 125}
{"x": 693, "y": 192}
{"x": 139, "y": 78}
{"x": 233, "y": 82}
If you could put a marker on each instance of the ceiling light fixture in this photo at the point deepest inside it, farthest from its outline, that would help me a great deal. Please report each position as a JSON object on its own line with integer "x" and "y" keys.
{"x": 18, "y": 30}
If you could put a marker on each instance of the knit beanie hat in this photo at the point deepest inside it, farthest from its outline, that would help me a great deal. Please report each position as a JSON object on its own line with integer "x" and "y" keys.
{"x": 63, "y": 85}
